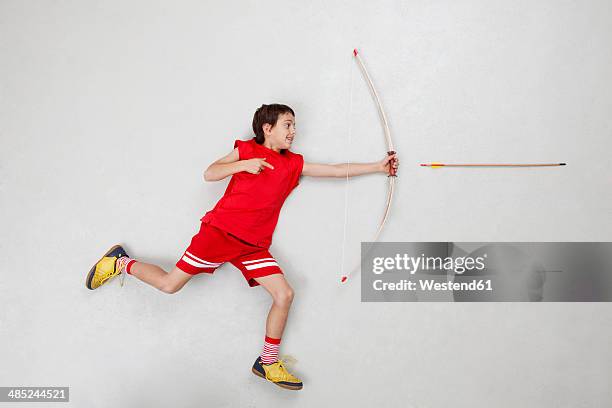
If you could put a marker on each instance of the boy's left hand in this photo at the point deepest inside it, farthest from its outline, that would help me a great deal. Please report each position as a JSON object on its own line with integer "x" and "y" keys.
{"x": 388, "y": 161}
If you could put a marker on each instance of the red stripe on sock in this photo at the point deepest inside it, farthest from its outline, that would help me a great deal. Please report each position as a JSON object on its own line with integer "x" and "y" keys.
{"x": 272, "y": 340}
{"x": 128, "y": 267}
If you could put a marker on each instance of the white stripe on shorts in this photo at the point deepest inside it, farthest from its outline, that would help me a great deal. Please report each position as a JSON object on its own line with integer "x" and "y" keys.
{"x": 260, "y": 265}
{"x": 258, "y": 260}
{"x": 197, "y": 264}
{"x": 201, "y": 260}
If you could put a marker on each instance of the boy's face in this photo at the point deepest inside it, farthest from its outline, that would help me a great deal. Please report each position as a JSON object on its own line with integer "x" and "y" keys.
{"x": 280, "y": 136}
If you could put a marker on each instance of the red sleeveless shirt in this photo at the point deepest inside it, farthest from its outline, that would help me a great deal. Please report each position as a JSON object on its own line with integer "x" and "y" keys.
{"x": 250, "y": 207}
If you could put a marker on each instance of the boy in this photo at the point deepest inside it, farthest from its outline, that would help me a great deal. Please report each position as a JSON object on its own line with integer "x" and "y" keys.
{"x": 239, "y": 228}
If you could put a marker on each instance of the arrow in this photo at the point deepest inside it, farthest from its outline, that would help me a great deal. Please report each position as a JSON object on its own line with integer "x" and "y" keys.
{"x": 438, "y": 165}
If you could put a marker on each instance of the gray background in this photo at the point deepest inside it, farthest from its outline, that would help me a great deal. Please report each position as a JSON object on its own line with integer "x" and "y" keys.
{"x": 110, "y": 111}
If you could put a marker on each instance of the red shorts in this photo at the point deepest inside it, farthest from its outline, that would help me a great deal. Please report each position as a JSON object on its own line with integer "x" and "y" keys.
{"x": 211, "y": 247}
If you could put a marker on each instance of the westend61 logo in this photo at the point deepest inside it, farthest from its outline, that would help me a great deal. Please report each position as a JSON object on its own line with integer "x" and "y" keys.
{"x": 413, "y": 264}
{"x": 486, "y": 272}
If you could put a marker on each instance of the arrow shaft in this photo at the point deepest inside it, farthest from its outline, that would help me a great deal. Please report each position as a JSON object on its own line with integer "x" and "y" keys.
{"x": 492, "y": 164}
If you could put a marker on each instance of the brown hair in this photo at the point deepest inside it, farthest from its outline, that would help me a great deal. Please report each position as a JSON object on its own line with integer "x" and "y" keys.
{"x": 268, "y": 114}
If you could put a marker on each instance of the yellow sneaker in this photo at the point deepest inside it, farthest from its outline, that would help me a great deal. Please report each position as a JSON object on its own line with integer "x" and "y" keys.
{"x": 277, "y": 374}
{"x": 106, "y": 268}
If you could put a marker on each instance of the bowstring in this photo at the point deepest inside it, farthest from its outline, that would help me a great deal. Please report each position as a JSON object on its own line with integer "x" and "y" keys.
{"x": 348, "y": 166}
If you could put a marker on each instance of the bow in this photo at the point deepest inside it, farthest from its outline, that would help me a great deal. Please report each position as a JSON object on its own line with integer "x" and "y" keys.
{"x": 390, "y": 150}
